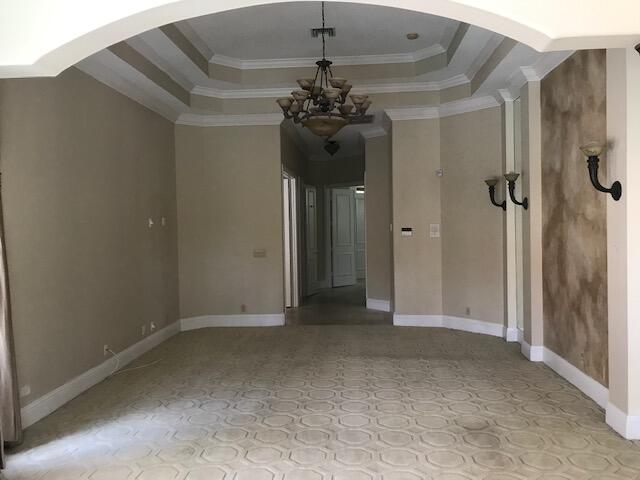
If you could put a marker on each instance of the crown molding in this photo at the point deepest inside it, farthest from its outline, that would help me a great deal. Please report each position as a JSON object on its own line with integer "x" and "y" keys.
{"x": 408, "y": 87}
{"x": 373, "y": 132}
{"x": 492, "y": 43}
{"x": 445, "y": 110}
{"x": 411, "y": 57}
{"x": 229, "y": 120}
{"x": 195, "y": 39}
{"x": 412, "y": 113}
{"x": 534, "y": 73}
{"x": 467, "y": 105}
{"x": 138, "y": 88}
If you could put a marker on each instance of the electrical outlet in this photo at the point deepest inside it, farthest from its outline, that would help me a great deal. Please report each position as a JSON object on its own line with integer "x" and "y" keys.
{"x": 105, "y": 350}
{"x": 152, "y": 327}
{"x": 468, "y": 311}
{"x": 143, "y": 329}
{"x": 243, "y": 308}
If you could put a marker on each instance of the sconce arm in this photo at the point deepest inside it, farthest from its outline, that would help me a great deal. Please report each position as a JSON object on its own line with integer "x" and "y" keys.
{"x": 525, "y": 201}
{"x": 616, "y": 187}
{"x": 492, "y": 195}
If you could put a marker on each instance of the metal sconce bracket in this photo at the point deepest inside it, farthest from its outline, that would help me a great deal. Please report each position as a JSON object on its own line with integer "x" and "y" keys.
{"x": 592, "y": 151}
{"x": 491, "y": 183}
{"x": 511, "y": 181}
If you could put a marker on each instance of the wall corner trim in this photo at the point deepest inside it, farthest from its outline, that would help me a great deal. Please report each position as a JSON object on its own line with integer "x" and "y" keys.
{"x": 377, "y": 304}
{"x": 534, "y": 353}
{"x": 243, "y": 320}
{"x": 511, "y": 334}
{"x": 49, "y": 402}
{"x": 626, "y": 425}
{"x": 451, "y": 322}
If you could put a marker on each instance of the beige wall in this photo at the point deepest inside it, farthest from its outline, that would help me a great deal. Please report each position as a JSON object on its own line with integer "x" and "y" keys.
{"x": 293, "y": 159}
{"x": 336, "y": 170}
{"x": 417, "y": 259}
{"x": 378, "y": 216}
{"x": 471, "y": 149}
{"x": 83, "y": 168}
{"x": 574, "y": 222}
{"x": 229, "y": 191}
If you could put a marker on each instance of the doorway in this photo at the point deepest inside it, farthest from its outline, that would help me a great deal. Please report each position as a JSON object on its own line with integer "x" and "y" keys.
{"x": 290, "y": 237}
{"x": 334, "y": 252}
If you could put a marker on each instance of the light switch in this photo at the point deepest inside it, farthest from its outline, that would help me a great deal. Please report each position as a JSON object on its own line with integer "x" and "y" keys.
{"x": 434, "y": 230}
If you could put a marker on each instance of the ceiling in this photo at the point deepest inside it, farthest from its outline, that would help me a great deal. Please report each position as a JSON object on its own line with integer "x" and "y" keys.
{"x": 249, "y": 33}
{"x": 228, "y": 68}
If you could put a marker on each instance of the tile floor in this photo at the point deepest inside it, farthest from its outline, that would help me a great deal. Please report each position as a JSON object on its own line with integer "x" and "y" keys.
{"x": 333, "y": 403}
{"x": 337, "y": 306}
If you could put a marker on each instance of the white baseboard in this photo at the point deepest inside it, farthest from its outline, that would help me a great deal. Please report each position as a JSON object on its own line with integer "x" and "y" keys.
{"x": 520, "y": 335}
{"x": 511, "y": 334}
{"x": 376, "y": 304}
{"x": 590, "y": 387}
{"x": 48, "y": 403}
{"x": 244, "y": 320}
{"x": 447, "y": 321}
{"x": 532, "y": 353}
{"x": 626, "y": 425}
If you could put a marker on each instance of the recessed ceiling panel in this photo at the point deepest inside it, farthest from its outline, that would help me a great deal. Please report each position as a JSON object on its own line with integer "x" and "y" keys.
{"x": 284, "y": 30}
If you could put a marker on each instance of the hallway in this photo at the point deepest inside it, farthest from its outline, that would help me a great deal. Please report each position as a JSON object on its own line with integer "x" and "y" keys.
{"x": 329, "y": 403}
{"x": 337, "y": 306}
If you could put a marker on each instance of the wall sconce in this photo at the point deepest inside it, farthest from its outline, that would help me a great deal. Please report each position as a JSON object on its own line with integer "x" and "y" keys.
{"x": 592, "y": 151}
{"x": 511, "y": 180}
{"x": 491, "y": 183}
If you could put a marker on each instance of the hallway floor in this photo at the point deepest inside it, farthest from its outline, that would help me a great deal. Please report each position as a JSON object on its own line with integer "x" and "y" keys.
{"x": 329, "y": 403}
{"x": 337, "y": 306}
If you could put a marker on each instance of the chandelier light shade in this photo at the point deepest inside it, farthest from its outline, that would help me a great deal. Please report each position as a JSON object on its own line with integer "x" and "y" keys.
{"x": 321, "y": 103}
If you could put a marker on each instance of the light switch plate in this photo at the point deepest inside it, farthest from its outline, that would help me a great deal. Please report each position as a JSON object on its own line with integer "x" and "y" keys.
{"x": 434, "y": 230}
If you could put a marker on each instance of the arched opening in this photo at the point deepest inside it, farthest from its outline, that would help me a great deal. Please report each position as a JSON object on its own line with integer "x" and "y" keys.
{"x": 37, "y": 41}
{"x": 143, "y": 192}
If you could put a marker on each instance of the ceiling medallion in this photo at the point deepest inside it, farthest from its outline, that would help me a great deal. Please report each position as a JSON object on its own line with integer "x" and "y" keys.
{"x": 321, "y": 103}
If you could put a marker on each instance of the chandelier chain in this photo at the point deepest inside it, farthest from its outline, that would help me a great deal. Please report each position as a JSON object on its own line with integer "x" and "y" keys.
{"x": 323, "y": 40}
{"x": 321, "y": 103}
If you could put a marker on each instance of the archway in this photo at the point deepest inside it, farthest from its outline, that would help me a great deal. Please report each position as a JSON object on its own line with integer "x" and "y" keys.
{"x": 37, "y": 41}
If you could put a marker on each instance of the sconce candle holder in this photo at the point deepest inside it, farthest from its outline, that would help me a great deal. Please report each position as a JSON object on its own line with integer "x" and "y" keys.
{"x": 593, "y": 151}
{"x": 491, "y": 183}
{"x": 511, "y": 180}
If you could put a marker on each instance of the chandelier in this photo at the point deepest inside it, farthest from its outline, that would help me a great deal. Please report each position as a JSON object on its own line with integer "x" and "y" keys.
{"x": 321, "y": 103}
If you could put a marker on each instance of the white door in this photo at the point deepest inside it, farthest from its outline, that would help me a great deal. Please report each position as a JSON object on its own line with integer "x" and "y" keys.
{"x": 343, "y": 236}
{"x": 360, "y": 236}
{"x": 311, "y": 234}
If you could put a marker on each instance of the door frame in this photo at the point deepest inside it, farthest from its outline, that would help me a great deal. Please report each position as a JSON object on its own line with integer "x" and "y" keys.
{"x": 292, "y": 240}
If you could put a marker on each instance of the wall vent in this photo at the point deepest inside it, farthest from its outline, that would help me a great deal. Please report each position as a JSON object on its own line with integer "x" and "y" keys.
{"x": 328, "y": 31}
